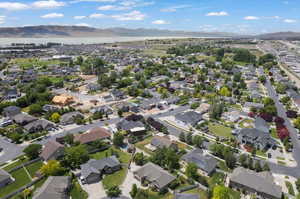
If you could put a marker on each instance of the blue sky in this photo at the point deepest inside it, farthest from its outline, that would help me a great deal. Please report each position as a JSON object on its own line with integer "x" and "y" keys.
{"x": 240, "y": 16}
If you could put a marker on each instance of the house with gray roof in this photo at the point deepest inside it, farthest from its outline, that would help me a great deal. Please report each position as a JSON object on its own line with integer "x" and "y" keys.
{"x": 55, "y": 187}
{"x": 134, "y": 127}
{"x": 5, "y": 178}
{"x": 190, "y": 118}
{"x": 52, "y": 150}
{"x": 39, "y": 125}
{"x": 157, "y": 177}
{"x": 69, "y": 118}
{"x": 261, "y": 125}
{"x": 23, "y": 119}
{"x": 160, "y": 142}
{"x": 93, "y": 170}
{"x": 256, "y": 138}
{"x": 262, "y": 184}
{"x": 11, "y": 111}
{"x": 186, "y": 196}
{"x": 248, "y": 105}
{"x": 206, "y": 164}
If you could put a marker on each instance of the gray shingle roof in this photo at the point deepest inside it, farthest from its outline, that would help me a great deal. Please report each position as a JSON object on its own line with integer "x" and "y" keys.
{"x": 4, "y": 175}
{"x": 54, "y": 188}
{"x": 190, "y": 117}
{"x": 203, "y": 162}
{"x": 262, "y": 182}
{"x": 155, "y": 175}
{"x": 186, "y": 196}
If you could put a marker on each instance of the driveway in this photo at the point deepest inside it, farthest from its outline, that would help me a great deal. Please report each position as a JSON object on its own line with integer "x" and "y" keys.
{"x": 10, "y": 150}
{"x": 94, "y": 190}
{"x": 130, "y": 180}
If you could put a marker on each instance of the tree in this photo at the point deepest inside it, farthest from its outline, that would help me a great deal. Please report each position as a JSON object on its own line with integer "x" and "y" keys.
{"x": 52, "y": 168}
{"x": 225, "y": 92}
{"x": 298, "y": 184}
{"x": 69, "y": 139}
{"x": 113, "y": 191}
{"x": 266, "y": 167}
{"x": 230, "y": 159}
{"x": 32, "y": 151}
{"x": 182, "y": 137}
{"x": 221, "y": 192}
{"x": 118, "y": 139}
{"x": 262, "y": 79}
{"x": 243, "y": 160}
{"x": 198, "y": 141}
{"x": 35, "y": 109}
{"x": 191, "y": 171}
{"x": 120, "y": 113}
{"x": 139, "y": 159}
{"x": 133, "y": 191}
{"x": 55, "y": 117}
{"x": 257, "y": 166}
{"x": 189, "y": 138}
{"x": 75, "y": 156}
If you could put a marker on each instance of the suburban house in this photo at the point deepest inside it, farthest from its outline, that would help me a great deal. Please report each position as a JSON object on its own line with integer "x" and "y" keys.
{"x": 39, "y": 125}
{"x": 157, "y": 177}
{"x": 69, "y": 118}
{"x": 62, "y": 100}
{"x": 262, "y": 183}
{"x": 203, "y": 108}
{"x": 118, "y": 94}
{"x": 54, "y": 187}
{"x": 256, "y": 138}
{"x": 189, "y": 118}
{"x": 105, "y": 109}
{"x": 5, "y": 178}
{"x": 96, "y": 133}
{"x": 158, "y": 142}
{"x": 52, "y": 150}
{"x": 205, "y": 163}
{"x": 232, "y": 116}
{"x": 23, "y": 119}
{"x": 130, "y": 126}
{"x": 11, "y": 111}
{"x": 92, "y": 171}
{"x": 186, "y": 196}
{"x": 248, "y": 105}
{"x": 262, "y": 125}
{"x": 50, "y": 108}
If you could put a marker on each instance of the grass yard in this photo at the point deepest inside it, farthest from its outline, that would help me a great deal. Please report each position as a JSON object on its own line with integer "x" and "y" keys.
{"x": 281, "y": 162}
{"x": 122, "y": 156}
{"x": 34, "y": 167}
{"x": 220, "y": 130}
{"x": 290, "y": 188}
{"x": 203, "y": 194}
{"x": 261, "y": 153}
{"x": 20, "y": 161}
{"x": 216, "y": 179}
{"x": 114, "y": 179}
{"x": 274, "y": 133}
{"x": 222, "y": 165}
{"x": 77, "y": 192}
{"x": 141, "y": 145}
{"x": 21, "y": 179}
{"x": 247, "y": 123}
{"x": 31, "y": 62}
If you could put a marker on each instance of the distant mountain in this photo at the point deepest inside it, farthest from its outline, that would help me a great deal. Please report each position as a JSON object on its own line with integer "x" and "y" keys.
{"x": 280, "y": 36}
{"x": 83, "y": 31}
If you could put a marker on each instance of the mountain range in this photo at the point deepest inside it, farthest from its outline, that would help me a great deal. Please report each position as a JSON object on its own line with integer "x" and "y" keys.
{"x": 55, "y": 31}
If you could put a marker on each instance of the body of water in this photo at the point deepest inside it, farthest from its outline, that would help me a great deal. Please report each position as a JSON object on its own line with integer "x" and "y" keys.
{"x": 78, "y": 40}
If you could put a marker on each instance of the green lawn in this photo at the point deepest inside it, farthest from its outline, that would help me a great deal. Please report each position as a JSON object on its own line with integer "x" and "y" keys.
{"x": 261, "y": 153}
{"x": 216, "y": 179}
{"x": 15, "y": 164}
{"x": 141, "y": 145}
{"x": 290, "y": 188}
{"x": 220, "y": 130}
{"x": 77, "y": 192}
{"x": 114, "y": 179}
{"x": 274, "y": 133}
{"x": 122, "y": 156}
{"x": 34, "y": 167}
{"x": 222, "y": 165}
{"x": 247, "y": 123}
{"x": 21, "y": 179}
{"x": 203, "y": 194}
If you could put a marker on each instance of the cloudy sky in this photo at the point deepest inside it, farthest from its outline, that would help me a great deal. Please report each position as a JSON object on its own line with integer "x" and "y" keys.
{"x": 241, "y": 16}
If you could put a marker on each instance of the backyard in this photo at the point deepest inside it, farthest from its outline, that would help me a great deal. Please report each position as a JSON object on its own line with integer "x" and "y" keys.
{"x": 220, "y": 130}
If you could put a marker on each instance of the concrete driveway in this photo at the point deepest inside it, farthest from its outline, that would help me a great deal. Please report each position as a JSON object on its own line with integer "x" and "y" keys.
{"x": 130, "y": 180}
{"x": 94, "y": 190}
{"x": 10, "y": 150}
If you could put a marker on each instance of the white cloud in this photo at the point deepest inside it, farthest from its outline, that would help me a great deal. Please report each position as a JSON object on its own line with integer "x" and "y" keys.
{"x": 48, "y": 4}
{"x": 112, "y": 7}
{"x": 52, "y": 15}
{"x": 222, "y": 13}
{"x": 174, "y": 8}
{"x": 131, "y": 16}
{"x": 289, "y": 21}
{"x": 160, "y": 22}
{"x": 2, "y": 19}
{"x": 13, "y": 6}
{"x": 79, "y": 17}
{"x": 83, "y": 24}
{"x": 97, "y": 16}
{"x": 251, "y": 18}
{"x": 99, "y": 1}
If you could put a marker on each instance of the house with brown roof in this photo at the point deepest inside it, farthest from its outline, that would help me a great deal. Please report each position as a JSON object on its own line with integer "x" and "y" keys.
{"x": 159, "y": 142}
{"x": 52, "y": 150}
{"x": 96, "y": 133}
{"x": 62, "y": 100}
